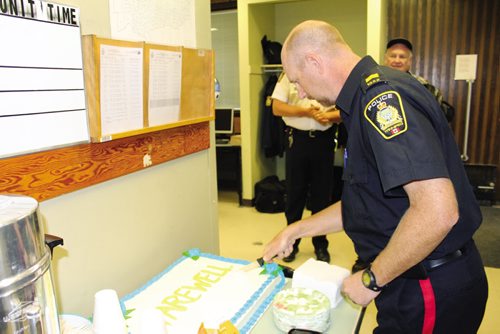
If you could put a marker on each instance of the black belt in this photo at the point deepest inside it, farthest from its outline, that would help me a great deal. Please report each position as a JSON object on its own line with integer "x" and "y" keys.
{"x": 420, "y": 270}
{"x": 310, "y": 133}
{"x": 433, "y": 264}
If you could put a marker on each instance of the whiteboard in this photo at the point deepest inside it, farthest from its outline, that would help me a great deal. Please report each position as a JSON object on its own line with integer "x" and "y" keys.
{"x": 42, "y": 95}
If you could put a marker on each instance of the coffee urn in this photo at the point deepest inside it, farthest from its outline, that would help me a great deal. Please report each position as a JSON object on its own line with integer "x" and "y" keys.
{"x": 27, "y": 298}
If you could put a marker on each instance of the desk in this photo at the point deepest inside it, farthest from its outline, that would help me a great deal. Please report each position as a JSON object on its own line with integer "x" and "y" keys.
{"x": 229, "y": 167}
{"x": 345, "y": 319}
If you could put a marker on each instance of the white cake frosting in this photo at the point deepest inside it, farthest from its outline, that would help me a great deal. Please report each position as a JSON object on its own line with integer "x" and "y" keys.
{"x": 205, "y": 288}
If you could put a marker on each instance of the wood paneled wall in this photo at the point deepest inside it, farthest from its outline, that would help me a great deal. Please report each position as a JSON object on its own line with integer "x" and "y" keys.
{"x": 441, "y": 29}
{"x": 45, "y": 175}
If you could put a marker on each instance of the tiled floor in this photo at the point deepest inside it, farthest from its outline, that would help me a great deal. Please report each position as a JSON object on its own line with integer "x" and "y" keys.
{"x": 244, "y": 232}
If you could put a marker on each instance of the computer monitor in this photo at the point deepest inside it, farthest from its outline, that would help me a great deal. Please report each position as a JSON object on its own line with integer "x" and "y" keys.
{"x": 224, "y": 119}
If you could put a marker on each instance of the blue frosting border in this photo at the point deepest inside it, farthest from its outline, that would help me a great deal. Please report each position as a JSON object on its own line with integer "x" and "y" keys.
{"x": 253, "y": 319}
{"x": 262, "y": 307}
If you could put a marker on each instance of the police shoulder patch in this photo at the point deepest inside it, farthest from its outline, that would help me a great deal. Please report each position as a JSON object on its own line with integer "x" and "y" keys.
{"x": 386, "y": 114}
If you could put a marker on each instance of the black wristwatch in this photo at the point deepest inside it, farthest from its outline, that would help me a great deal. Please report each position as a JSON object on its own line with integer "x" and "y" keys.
{"x": 369, "y": 280}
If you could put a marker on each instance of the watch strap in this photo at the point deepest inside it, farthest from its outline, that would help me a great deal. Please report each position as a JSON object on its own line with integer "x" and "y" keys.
{"x": 372, "y": 285}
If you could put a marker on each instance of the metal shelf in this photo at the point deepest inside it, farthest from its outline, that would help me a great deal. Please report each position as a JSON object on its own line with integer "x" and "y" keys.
{"x": 272, "y": 68}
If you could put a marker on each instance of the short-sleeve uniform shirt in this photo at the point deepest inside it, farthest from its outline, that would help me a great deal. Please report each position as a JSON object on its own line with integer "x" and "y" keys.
{"x": 396, "y": 134}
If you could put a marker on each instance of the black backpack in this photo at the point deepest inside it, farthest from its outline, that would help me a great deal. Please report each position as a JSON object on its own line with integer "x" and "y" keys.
{"x": 270, "y": 195}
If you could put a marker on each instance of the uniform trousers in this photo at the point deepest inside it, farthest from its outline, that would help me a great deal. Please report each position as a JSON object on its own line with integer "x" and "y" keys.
{"x": 452, "y": 300}
{"x": 309, "y": 171}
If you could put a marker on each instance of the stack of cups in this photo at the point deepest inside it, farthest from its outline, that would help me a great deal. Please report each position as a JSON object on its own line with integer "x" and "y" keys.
{"x": 108, "y": 317}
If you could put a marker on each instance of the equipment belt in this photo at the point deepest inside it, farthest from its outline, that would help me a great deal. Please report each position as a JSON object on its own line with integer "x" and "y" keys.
{"x": 420, "y": 270}
{"x": 433, "y": 264}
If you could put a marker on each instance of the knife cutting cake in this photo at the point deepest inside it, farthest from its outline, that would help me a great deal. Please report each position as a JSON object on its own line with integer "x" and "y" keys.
{"x": 205, "y": 288}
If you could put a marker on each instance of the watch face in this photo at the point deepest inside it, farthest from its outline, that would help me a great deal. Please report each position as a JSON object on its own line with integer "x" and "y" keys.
{"x": 366, "y": 279}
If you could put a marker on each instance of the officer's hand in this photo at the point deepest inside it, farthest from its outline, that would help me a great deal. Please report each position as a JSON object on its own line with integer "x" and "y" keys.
{"x": 281, "y": 245}
{"x": 311, "y": 111}
{"x": 353, "y": 289}
{"x": 321, "y": 117}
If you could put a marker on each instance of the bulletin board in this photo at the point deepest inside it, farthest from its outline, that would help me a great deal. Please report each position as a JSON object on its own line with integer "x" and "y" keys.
{"x": 42, "y": 95}
{"x": 119, "y": 86}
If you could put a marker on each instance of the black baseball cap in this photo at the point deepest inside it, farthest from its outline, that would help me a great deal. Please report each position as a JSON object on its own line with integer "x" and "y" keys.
{"x": 403, "y": 41}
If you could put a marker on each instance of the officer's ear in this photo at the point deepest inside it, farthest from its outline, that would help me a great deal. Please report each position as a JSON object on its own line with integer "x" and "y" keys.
{"x": 314, "y": 62}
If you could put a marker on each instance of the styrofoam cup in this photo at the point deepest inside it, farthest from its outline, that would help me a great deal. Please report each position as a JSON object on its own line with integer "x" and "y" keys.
{"x": 108, "y": 317}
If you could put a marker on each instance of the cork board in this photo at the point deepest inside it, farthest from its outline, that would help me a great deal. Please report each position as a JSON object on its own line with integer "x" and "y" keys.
{"x": 196, "y": 103}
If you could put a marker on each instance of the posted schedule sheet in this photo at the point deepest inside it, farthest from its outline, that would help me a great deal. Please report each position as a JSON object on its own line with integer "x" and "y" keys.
{"x": 165, "y": 70}
{"x": 121, "y": 91}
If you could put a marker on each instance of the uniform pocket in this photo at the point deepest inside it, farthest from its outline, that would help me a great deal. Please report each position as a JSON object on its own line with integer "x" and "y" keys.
{"x": 356, "y": 171}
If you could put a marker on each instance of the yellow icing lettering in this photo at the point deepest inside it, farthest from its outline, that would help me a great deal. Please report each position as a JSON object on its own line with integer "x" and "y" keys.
{"x": 222, "y": 271}
{"x": 212, "y": 276}
{"x": 203, "y": 276}
{"x": 186, "y": 294}
{"x": 172, "y": 303}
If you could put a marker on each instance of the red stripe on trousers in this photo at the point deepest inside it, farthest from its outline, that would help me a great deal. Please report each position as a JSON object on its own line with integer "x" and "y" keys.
{"x": 429, "y": 306}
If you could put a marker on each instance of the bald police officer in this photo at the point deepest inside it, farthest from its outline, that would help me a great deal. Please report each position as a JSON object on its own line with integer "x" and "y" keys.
{"x": 406, "y": 204}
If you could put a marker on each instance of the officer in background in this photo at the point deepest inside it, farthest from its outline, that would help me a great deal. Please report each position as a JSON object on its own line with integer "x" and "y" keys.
{"x": 399, "y": 56}
{"x": 406, "y": 204}
{"x": 308, "y": 158}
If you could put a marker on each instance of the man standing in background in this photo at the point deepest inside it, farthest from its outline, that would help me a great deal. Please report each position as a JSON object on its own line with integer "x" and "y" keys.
{"x": 308, "y": 158}
{"x": 399, "y": 56}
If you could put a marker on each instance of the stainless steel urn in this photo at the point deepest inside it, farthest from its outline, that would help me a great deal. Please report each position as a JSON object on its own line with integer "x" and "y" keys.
{"x": 27, "y": 299}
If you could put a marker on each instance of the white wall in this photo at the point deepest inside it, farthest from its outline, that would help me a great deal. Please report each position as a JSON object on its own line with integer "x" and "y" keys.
{"x": 225, "y": 45}
{"x": 255, "y": 19}
{"x": 376, "y": 29}
{"x": 120, "y": 233}
{"x": 349, "y": 16}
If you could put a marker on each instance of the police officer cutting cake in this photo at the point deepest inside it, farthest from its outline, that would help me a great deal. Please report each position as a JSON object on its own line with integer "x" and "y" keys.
{"x": 406, "y": 204}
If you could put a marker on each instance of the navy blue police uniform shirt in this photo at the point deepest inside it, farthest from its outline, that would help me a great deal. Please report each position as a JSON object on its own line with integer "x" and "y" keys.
{"x": 396, "y": 134}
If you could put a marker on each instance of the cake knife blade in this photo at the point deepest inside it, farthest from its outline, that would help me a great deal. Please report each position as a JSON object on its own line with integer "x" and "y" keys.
{"x": 252, "y": 265}
{"x": 287, "y": 271}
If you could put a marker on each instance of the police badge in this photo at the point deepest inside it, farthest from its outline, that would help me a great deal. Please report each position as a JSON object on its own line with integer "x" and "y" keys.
{"x": 385, "y": 112}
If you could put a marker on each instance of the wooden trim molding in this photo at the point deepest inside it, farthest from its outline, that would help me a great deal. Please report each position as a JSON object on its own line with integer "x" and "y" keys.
{"x": 45, "y": 175}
